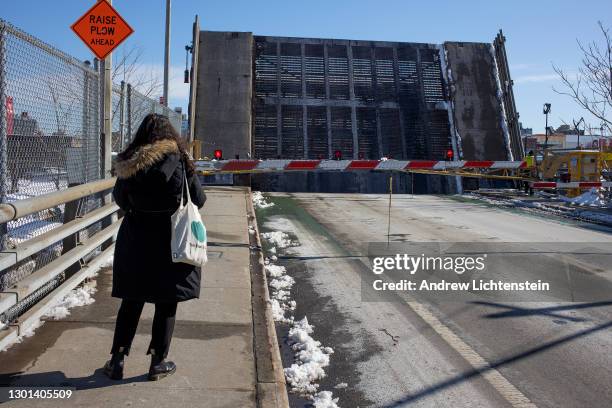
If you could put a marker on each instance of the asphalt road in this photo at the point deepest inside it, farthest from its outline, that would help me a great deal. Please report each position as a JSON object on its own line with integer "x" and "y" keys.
{"x": 396, "y": 351}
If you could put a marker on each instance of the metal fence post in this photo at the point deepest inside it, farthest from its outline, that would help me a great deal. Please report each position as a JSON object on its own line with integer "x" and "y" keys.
{"x": 3, "y": 129}
{"x": 129, "y": 112}
{"x": 121, "y": 116}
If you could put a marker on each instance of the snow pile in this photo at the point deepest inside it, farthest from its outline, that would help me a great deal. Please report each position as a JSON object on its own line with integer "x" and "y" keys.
{"x": 259, "y": 200}
{"x": 324, "y": 399}
{"x": 27, "y": 333}
{"x": 278, "y": 313}
{"x": 275, "y": 271}
{"x": 311, "y": 359}
{"x": 78, "y": 297}
{"x": 592, "y": 198}
{"x": 108, "y": 263}
{"x": 278, "y": 239}
{"x": 281, "y": 285}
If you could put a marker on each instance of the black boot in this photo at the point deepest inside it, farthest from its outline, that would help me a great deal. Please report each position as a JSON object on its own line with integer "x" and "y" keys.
{"x": 114, "y": 367}
{"x": 160, "y": 368}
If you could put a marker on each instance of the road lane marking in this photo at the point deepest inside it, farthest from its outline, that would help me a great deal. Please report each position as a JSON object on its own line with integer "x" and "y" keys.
{"x": 508, "y": 391}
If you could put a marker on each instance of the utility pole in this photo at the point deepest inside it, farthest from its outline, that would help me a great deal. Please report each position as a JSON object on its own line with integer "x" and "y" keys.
{"x": 167, "y": 52}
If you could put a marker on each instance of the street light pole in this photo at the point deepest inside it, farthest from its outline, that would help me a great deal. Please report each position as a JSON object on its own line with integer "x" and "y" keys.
{"x": 576, "y": 124}
{"x": 167, "y": 52}
{"x": 546, "y": 112}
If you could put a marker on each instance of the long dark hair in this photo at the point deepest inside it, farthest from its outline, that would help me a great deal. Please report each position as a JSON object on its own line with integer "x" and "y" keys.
{"x": 156, "y": 127}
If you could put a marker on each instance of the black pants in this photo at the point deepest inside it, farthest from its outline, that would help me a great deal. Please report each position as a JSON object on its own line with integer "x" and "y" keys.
{"x": 127, "y": 322}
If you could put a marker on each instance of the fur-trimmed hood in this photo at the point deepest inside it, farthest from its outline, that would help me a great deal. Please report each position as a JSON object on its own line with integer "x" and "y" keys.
{"x": 144, "y": 157}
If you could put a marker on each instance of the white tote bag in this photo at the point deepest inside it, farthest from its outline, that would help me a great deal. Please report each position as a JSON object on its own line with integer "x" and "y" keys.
{"x": 188, "y": 232}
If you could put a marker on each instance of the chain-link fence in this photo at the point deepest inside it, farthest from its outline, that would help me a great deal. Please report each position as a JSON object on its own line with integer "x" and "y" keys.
{"x": 50, "y": 139}
{"x": 129, "y": 109}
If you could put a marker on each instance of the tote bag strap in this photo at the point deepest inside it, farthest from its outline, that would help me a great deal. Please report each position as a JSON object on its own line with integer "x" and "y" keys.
{"x": 185, "y": 182}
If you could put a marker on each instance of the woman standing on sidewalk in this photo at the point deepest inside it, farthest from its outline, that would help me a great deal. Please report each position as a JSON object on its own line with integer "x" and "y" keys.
{"x": 150, "y": 174}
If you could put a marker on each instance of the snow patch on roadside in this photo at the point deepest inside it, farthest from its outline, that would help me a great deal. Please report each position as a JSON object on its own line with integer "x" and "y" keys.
{"x": 280, "y": 294}
{"x": 324, "y": 399}
{"x": 279, "y": 239}
{"x": 260, "y": 201}
{"x": 311, "y": 357}
{"x": 591, "y": 198}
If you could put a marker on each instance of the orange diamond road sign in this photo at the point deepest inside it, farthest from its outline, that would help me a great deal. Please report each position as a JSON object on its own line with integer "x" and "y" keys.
{"x": 102, "y": 29}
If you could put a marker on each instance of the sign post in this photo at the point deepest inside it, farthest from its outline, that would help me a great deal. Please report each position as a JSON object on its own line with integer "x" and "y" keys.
{"x": 102, "y": 29}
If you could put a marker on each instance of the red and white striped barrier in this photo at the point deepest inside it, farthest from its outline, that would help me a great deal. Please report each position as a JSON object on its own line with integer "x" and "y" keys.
{"x": 229, "y": 166}
{"x": 572, "y": 184}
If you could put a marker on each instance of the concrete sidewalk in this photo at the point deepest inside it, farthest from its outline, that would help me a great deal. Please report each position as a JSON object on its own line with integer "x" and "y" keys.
{"x": 213, "y": 345}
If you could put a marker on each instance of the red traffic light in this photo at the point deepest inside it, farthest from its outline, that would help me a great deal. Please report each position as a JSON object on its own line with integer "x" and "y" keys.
{"x": 449, "y": 154}
{"x": 218, "y": 154}
{"x": 338, "y": 155}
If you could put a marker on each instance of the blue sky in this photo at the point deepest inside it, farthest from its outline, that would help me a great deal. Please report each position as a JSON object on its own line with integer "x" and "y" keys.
{"x": 539, "y": 32}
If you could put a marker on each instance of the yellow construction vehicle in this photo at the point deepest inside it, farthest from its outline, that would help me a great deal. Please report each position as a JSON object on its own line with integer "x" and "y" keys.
{"x": 573, "y": 165}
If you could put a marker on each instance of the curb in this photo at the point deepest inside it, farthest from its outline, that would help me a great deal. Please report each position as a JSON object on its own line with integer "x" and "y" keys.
{"x": 271, "y": 386}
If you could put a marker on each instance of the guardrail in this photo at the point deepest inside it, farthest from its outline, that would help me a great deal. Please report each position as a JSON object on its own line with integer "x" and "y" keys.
{"x": 12, "y": 297}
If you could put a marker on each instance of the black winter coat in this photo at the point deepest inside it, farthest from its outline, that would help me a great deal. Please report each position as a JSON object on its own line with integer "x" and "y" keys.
{"x": 148, "y": 189}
